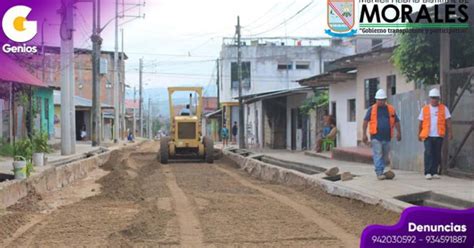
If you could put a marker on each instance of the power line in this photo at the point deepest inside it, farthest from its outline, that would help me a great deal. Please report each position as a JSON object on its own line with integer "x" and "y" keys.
{"x": 211, "y": 81}
{"x": 304, "y": 24}
{"x": 83, "y": 24}
{"x": 267, "y": 78}
{"x": 170, "y": 55}
{"x": 285, "y": 9}
{"x": 201, "y": 45}
{"x": 285, "y": 21}
{"x": 265, "y": 14}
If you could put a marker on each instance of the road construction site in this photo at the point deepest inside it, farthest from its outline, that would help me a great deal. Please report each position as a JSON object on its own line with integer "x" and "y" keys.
{"x": 134, "y": 201}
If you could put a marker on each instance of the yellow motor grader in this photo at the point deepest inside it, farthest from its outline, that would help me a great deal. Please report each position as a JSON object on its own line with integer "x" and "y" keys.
{"x": 186, "y": 139}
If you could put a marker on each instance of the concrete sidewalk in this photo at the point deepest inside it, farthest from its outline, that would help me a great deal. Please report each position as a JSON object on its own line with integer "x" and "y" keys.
{"x": 59, "y": 172}
{"x": 365, "y": 182}
{"x": 55, "y": 158}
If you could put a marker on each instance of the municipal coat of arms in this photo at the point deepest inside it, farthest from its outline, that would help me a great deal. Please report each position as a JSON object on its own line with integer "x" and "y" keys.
{"x": 340, "y": 16}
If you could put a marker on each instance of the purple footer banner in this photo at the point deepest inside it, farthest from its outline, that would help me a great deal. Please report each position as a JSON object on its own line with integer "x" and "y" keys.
{"x": 424, "y": 227}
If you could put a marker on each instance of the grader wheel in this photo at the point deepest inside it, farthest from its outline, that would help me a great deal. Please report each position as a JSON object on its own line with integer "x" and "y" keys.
{"x": 164, "y": 150}
{"x": 209, "y": 150}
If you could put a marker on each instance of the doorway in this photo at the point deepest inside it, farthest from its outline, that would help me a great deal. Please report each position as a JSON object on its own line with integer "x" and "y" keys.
{"x": 294, "y": 120}
{"x": 333, "y": 110}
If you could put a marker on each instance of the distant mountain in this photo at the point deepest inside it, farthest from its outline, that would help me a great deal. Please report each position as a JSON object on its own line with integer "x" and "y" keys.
{"x": 159, "y": 98}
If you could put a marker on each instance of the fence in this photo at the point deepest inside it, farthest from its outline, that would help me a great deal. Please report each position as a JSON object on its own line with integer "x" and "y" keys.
{"x": 459, "y": 161}
{"x": 460, "y": 98}
{"x": 408, "y": 154}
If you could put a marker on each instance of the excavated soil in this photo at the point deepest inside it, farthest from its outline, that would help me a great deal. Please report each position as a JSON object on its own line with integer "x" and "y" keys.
{"x": 134, "y": 201}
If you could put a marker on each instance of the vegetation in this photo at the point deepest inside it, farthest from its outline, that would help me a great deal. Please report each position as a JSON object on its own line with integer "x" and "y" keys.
{"x": 417, "y": 55}
{"x": 156, "y": 126}
{"x": 40, "y": 142}
{"x": 320, "y": 98}
{"x": 6, "y": 149}
{"x": 24, "y": 97}
{"x": 23, "y": 151}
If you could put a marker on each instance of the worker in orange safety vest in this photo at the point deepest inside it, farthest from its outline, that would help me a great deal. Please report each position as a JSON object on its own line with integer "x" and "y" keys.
{"x": 435, "y": 120}
{"x": 382, "y": 119}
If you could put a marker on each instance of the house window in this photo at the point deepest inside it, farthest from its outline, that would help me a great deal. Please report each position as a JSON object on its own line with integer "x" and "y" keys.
{"x": 108, "y": 84}
{"x": 235, "y": 76}
{"x": 371, "y": 87}
{"x": 285, "y": 66}
{"x": 392, "y": 84}
{"x": 302, "y": 66}
{"x": 376, "y": 44}
{"x": 351, "y": 113}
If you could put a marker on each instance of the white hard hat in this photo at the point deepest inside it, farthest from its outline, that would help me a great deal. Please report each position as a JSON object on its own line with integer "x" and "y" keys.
{"x": 434, "y": 93}
{"x": 380, "y": 95}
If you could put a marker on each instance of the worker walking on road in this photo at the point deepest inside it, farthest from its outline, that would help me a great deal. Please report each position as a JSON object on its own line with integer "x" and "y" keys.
{"x": 434, "y": 118}
{"x": 225, "y": 136}
{"x": 381, "y": 119}
{"x": 235, "y": 131}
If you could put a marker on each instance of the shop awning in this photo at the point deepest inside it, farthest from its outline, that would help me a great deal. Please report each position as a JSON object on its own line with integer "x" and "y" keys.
{"x": 10, "y": 71}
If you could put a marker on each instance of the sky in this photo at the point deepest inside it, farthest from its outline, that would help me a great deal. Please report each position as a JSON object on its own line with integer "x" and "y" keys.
{"x": 179, "y": 40}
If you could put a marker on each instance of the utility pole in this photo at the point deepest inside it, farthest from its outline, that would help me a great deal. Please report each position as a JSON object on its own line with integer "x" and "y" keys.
{"x": 217, "y": 84}
{"x": 68, "y": 111}
{"x": 445, "y": 58}
{"x": 134, "y": 125}
{"x": 149, "y": 119}
{"x": 43, "y": 52}
{"x": 122, "y": 79}
{"x": 96, "y": 46}
{"x": 239, "y": 73}
{"x": 116, "y": 81}
{"x": 140, "y": 96}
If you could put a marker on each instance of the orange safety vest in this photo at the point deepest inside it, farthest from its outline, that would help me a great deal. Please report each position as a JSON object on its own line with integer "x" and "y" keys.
{"x": 373, "y": 119}
{"x": 426, "y": 124}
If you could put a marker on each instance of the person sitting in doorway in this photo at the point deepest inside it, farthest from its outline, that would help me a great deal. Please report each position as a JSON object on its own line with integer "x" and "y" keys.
{"x": 328, "y": 133}
{"x": 83, "y": 132}
{"x": 185, "y": 111}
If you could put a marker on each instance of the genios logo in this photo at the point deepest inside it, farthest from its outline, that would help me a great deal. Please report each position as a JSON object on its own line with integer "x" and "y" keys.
{"x": 18, "y": 29}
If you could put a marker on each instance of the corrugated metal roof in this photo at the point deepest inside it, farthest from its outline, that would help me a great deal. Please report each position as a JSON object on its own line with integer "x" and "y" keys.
{"x": 273, "y": 94}
{"x": 10, "y": 71}
{"x": 212, "y": 114}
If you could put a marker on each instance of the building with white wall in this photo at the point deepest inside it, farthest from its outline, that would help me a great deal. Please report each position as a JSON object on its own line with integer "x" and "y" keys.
{"x": 270, "y": 70}
{"x": 352, "y": 89}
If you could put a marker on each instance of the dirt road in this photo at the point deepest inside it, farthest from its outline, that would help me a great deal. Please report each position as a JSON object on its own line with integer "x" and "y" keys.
{"x": 134, "y": 201}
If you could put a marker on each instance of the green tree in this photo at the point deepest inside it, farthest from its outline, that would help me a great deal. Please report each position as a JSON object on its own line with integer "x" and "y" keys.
{"x": 319, "y": 99}
{"x": 156, "y": 125}
{"x": 417, "y": 55}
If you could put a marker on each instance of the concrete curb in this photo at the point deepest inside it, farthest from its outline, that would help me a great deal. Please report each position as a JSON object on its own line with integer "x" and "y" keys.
{"x": 52, "y": 177}
{"x": 272, "y": 173}
{"x": 58, "y": 162}
{"x": 317, "y": 155}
